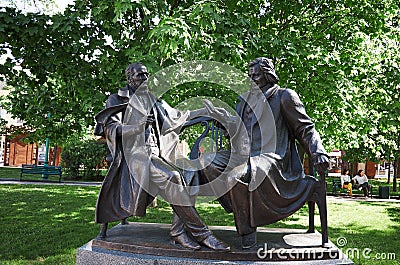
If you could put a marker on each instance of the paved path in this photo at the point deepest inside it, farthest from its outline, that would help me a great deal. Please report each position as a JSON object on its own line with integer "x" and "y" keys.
{"x": 80, "y": 183}
{"x": 362, "y": 198}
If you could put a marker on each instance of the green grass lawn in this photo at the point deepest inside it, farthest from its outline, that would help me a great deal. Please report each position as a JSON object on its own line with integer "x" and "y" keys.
{"x": 44, "y": 224}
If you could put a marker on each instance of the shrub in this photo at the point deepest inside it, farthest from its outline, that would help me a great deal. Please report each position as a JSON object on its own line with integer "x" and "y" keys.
{"x": 84, "y": 159}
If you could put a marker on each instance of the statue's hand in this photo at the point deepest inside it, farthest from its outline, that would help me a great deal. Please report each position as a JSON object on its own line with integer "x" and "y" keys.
{"x": 209, "y": 106}
{"x": 321, "y": 164}
{"x": 216, "y": 113}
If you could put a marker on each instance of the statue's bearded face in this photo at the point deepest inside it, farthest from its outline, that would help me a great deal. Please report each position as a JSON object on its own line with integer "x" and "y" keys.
{"x": 257, "y": 75}
{"x": 137, "y": 76}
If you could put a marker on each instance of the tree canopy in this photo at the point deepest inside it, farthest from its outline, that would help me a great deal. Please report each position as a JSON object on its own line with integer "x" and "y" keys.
{"x": 342, "y": 57}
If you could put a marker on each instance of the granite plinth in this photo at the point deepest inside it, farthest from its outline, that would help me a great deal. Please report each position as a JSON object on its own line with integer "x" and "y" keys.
{"x": 148, "y": 243}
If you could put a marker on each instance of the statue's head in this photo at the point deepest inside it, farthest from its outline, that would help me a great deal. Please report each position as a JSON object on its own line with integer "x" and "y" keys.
{"x": 136, "y": 74}
{"x": 262, "y": 72}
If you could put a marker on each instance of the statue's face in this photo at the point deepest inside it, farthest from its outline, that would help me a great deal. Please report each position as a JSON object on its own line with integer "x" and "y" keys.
{"x": 257, "y": 75}
{"x": 138, "y": 76}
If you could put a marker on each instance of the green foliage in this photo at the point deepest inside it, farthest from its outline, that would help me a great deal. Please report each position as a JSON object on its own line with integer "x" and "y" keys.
{"x": 3, "y": 124}
{"x": 342, "y": 57}
{"x": 83, "y": 159}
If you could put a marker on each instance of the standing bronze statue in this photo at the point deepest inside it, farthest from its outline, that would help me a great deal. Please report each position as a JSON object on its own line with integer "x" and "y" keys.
{"x": 109, "y": 205}
{"x": 140, "y": 144}
{"x": 271, "y": 185}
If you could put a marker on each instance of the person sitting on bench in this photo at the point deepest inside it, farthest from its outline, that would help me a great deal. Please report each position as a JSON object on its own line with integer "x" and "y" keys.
{"x": 345, "y": 181}
{"x": 362, "y": 182}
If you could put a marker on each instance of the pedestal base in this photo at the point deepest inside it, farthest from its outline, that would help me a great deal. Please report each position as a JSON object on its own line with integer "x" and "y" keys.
{"x": 145, "y": 243}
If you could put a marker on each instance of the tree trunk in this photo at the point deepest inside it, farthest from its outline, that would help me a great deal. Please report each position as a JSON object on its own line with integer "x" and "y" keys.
{"x": 396, "y": 173}
{"x": 387, "y": 166}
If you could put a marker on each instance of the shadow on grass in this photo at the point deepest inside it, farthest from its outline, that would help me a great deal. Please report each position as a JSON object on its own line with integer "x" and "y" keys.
{"x": 394, "y": 214}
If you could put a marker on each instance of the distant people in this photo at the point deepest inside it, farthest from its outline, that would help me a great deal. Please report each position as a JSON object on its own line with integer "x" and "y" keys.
{"x": 345, "y": 181}
{"x": 362, "y": 182}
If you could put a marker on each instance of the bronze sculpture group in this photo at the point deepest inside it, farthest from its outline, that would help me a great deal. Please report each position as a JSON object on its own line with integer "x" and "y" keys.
{"x": 266, "y": 184}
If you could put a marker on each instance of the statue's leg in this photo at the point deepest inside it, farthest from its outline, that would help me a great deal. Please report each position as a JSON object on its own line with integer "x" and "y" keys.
{"x": 179, "y": 236}
{"x": 171, "y": 188}
{"x": 124, "y": 221}
{"x": 236, "y": 200}
{"x": 198, "y": 229}
{"x": 214, "y": 171}
{"x": 241, "y": 213}
{"x": 103, "y": 230}
{"x": 324, "y": 223}
{"x": 323, "y": 212}
{"x": 311, "y": 214}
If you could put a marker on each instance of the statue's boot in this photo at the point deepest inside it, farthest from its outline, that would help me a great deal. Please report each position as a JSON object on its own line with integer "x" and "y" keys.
{"x": 183, "y": 240}
{"x": 184, "y": 209}
{"x": 215, "y": 244}
{"x": 179, "y": 236}
{"x": 103, "y": 230}
{"x": 249, "y": 240}
{"x": 198, "y": 229}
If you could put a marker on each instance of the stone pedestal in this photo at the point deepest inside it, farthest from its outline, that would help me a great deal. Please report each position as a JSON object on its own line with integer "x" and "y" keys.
{"x": 146, "y": 243}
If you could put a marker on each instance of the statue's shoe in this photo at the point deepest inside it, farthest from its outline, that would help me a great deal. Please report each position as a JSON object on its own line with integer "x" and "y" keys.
{"x": 184, "y": 241}
{"x": 249, "y": 240}
{"x": 215, "y": 244}
{"x": 103, "y": 230}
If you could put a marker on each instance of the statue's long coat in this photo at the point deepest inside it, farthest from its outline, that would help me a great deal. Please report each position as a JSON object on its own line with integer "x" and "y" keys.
{"x": 278, "y": 186}
{"x": 285, "y": 188}
{"x": 127, "y": 189}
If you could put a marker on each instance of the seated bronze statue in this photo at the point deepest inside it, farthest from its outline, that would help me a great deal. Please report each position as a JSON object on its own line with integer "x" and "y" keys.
{"x": 261, "y": 173}
{"x": 140, "y": 133}
{"x": 268, "y": 183}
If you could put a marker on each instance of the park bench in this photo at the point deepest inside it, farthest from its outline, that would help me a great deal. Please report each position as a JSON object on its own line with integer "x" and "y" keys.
{"x": 337, "y": 188}
{"x": 43, "y": 170}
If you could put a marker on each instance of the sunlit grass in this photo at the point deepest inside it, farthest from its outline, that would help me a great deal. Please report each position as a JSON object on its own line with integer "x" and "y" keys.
{"x": 43, "y": 222}
{"x": 46, "y": 224}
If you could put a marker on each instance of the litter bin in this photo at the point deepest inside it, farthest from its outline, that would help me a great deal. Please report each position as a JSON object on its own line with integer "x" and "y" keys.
{"x": 384, "y": 192}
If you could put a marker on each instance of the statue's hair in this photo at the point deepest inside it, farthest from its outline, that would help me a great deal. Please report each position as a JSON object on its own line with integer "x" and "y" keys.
{"x": 267, "y": 67}
{"x": 132, "y": 68}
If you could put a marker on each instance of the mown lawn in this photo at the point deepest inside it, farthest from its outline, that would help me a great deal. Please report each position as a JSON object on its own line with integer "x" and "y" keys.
{"x": 45, "y": 224}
